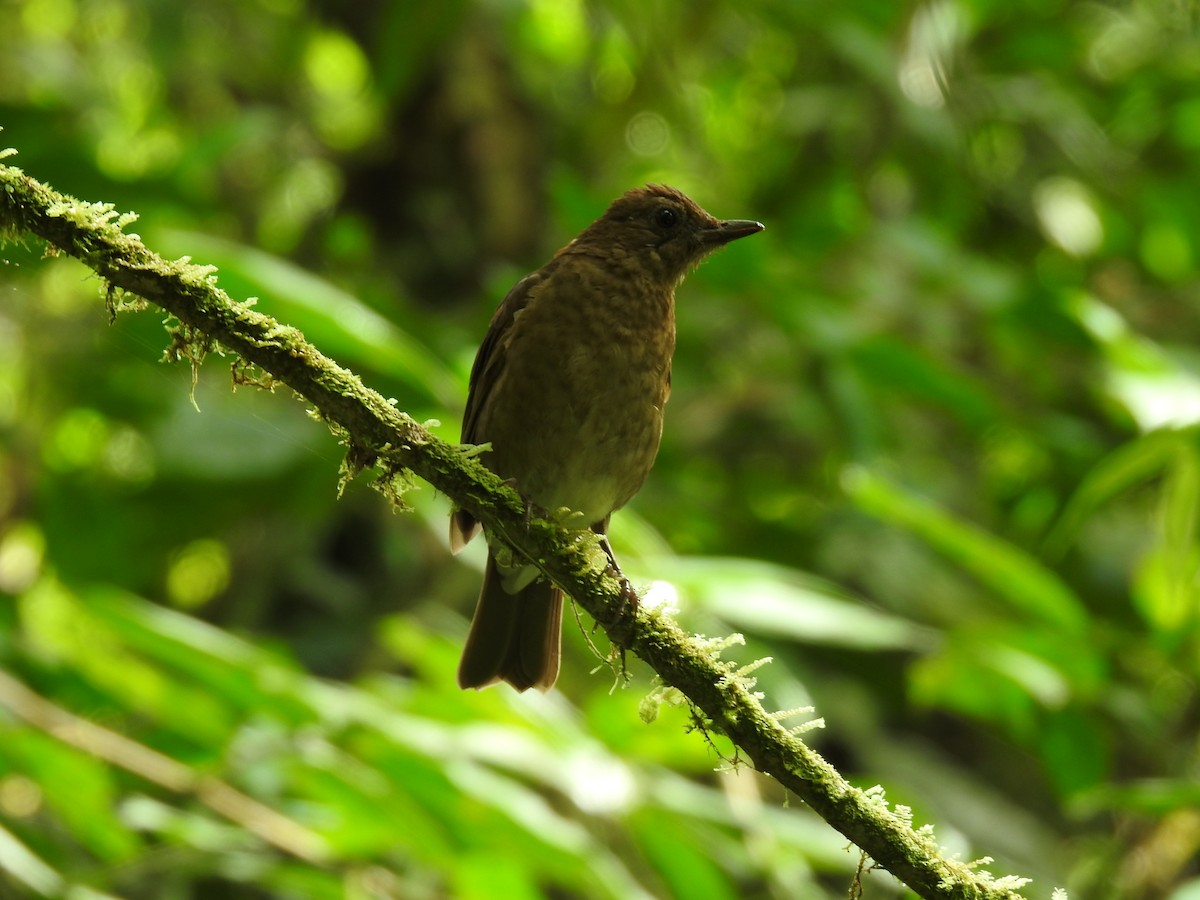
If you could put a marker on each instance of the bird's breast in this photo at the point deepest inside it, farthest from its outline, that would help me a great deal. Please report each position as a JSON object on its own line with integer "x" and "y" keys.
{"x": 577, "y": 417}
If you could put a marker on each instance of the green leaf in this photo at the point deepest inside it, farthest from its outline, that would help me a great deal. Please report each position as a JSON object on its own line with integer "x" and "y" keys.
{"x": 768, "y": 599}
{"x": 79, "y": 791}
{"x": 1008, "y": 571}
{"x": 1129, "y": 465}
{"x": 897, "y": 366}
{"x": 339, "y": 323}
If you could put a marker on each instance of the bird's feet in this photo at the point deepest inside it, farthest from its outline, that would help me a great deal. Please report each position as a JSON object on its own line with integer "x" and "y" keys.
{"x": 630, "y": 600}
{"x": 629, "y": 595}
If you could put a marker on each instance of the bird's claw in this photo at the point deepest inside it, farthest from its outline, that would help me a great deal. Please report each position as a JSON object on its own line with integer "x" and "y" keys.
{"x": 630, "y": 601}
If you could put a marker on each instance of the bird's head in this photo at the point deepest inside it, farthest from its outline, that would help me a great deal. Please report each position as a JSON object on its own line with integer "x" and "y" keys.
{"x": 662, "y": 230}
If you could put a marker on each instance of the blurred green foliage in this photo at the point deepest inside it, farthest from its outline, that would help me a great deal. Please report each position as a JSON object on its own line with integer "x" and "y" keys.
{"x": 933, "y": 444}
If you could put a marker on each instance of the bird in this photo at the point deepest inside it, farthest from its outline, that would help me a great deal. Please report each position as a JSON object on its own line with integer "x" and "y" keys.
{"x": 568, "y": 389}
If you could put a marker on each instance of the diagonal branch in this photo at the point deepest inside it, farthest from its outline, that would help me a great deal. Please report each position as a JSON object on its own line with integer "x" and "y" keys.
{"x": 377, "y": 432}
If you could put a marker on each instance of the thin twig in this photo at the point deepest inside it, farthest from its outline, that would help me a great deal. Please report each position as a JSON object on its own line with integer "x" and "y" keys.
{"x": 116, "y": 749}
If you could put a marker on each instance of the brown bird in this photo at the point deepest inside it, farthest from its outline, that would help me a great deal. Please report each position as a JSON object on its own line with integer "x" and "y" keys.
{"x": 569, "y": 387}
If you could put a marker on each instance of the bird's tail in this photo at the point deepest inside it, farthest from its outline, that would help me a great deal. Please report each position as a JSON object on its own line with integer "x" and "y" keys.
{"x": 514, "y": 637}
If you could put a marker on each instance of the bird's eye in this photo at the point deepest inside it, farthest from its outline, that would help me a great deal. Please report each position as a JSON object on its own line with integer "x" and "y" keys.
{"x": 665, "y": 217}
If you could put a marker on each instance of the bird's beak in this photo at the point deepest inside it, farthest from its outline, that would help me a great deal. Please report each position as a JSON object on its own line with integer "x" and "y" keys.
{"x": 730, "y": 230}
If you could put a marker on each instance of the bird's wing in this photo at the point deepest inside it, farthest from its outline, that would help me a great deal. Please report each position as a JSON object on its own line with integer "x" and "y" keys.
{"x": 489, "y": 361}
{"x": 485, "y": 373}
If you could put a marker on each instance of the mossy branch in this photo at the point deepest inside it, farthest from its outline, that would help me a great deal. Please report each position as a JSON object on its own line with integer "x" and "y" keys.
{"x": 378, "y": 433}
